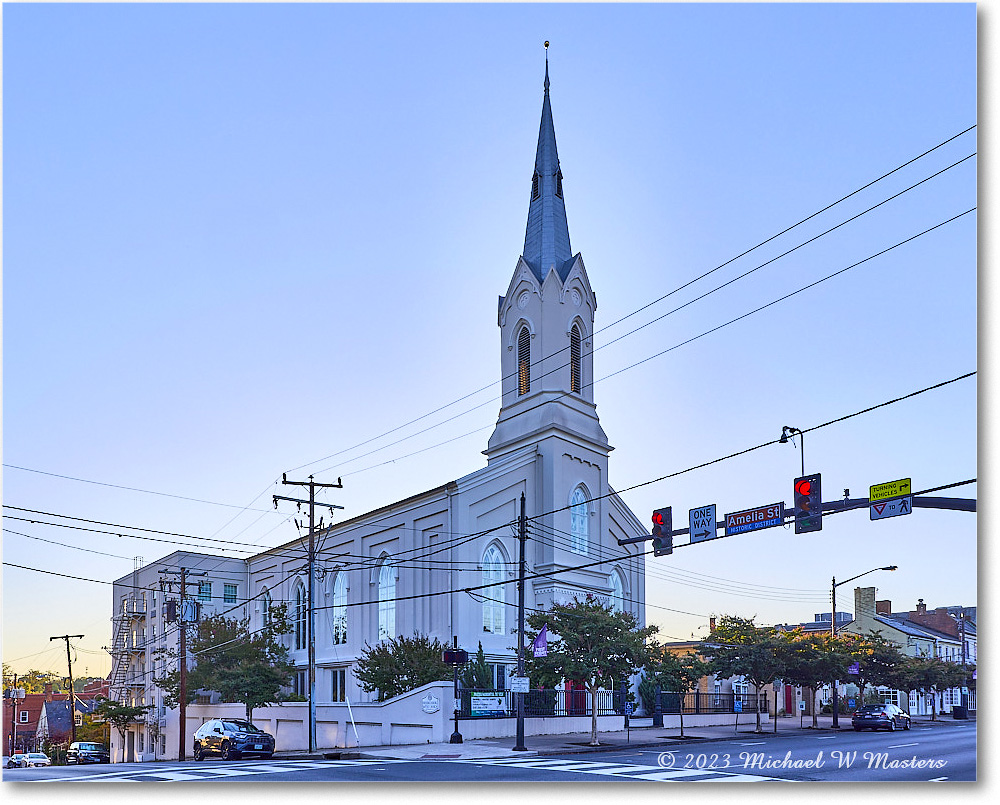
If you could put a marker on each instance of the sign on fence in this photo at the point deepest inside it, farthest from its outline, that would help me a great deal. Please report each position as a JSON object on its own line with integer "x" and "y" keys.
{"x": 487, "y": 704}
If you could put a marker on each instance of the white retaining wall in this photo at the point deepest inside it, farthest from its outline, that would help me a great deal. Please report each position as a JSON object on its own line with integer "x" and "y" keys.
{"x": 405, "y": 720}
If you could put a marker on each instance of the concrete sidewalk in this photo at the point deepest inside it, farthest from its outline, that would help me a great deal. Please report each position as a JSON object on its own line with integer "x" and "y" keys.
{"x": 642, "y": 735}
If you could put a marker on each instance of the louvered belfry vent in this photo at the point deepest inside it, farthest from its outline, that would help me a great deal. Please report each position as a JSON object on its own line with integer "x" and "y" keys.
{"x": 534, "y": 187}
{"x": 523, "y": 362}
{"x": 575, "y": 383}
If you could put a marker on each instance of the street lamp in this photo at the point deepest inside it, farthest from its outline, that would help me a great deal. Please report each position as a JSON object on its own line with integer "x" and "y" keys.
{"x": 788, "y": 431}
{"x": 833, "y": 629}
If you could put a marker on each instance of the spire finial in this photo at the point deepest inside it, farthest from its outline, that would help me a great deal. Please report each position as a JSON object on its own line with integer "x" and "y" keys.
{"x": 546, "y": 65}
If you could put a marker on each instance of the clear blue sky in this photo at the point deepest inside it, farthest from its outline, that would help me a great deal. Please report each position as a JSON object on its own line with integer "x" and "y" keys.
{"x": 241, "y": 239}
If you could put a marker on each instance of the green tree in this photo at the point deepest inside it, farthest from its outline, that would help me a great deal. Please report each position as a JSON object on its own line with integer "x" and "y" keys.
{"x": 933, "y": 675}
{"x": 591, "y": 643}
{"x": 738, "y": 647}
{"x": 675, "y": 673}
{"x": 478, "y": 674}
{"x": 241, "y": 665}
{"x": 403, "y": 663}
{"x": 119, "y": 715}
{"x": 813, "y": 659}
{"x": 878, "y": 660}
{"x": 34, "y": 681}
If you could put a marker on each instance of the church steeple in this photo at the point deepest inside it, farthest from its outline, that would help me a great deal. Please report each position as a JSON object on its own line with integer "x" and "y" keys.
{"x": 546, "y": 239}
{"x": 546, "y": 323}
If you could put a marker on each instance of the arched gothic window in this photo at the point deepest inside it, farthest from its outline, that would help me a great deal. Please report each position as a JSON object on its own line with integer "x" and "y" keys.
{"x": 339, "y": 616}
{"x": 265, "y": 607}
{"x": 523, "y": 362}
{"x": 575, "y": 383}
{"x": 579, "y": 525}
{"x": 387, "y": 600}
{"x": 300, "y": 616}
{"x": 617, "y": 591}
{"x": 493, "y": 597}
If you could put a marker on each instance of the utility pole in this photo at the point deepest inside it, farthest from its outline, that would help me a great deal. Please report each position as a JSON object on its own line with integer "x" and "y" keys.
{"x": 522, "y": 528}
{"x": 12, "y": 692}
{"x": 182, "y": 664}
{"x": 72, "y": 695}
{"x": 310, "y": 610}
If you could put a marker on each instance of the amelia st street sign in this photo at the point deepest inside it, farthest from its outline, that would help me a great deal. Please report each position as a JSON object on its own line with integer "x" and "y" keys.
{"x": 754, "y": 519}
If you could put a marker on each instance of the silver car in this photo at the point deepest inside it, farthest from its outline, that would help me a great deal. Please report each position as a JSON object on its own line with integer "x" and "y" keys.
{"x": 36, "y": 759}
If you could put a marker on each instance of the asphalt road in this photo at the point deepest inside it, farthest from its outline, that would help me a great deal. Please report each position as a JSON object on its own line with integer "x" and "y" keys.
{"x": 927, "y": 753}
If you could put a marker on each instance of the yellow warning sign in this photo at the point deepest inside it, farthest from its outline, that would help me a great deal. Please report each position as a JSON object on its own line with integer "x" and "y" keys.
{"x": 892, "y": 489}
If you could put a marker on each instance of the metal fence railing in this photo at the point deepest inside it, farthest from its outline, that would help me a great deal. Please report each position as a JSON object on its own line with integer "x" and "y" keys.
{"x": 477, "y": 703}
{"x": 697, "y": 703}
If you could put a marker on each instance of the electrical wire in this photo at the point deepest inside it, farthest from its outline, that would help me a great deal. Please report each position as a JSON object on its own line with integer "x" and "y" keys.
{"x": 656, "y": 301}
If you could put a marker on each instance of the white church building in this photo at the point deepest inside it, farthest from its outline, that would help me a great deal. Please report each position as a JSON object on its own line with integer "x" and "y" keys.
{"x": 405, "y": 567}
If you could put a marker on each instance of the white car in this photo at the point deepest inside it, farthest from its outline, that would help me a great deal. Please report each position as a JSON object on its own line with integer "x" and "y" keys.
{"x": 36, "y": 759}
{"x": 15, "y": 761}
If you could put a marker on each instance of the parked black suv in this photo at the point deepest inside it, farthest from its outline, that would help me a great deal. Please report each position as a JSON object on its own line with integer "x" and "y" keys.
{"x": 86, "y": 752}
{"x": 231, "y": 738}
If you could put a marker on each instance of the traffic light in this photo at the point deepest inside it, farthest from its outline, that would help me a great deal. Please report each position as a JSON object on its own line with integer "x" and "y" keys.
{"x": 663, "y": 525}
{"x": 808, "y": 504}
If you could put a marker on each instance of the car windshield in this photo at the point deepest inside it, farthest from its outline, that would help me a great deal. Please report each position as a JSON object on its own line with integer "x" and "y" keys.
{"x": 241, "y": 726}
{"x": 872, "y": 708}
{"x": 91, "y": 747}
{"x": 36, "y": 754}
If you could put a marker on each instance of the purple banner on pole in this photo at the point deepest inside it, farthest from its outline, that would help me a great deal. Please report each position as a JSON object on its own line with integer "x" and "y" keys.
{"x": 540, "y": 646}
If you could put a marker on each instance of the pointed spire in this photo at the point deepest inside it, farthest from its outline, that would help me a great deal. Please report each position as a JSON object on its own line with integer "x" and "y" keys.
{"x": 546, "y": 239}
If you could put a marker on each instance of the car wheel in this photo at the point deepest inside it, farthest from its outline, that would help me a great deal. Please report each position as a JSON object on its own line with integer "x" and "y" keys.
{"x": 199, "y": 755}
{"x": 906, "y": 724}
{"x": 227, "y": 751}
{"x": 892, "y": 725}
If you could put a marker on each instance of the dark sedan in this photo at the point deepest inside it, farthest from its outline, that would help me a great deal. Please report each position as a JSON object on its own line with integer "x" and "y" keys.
{"x": 85, "y": 752}
{"x": 880, "y": 717}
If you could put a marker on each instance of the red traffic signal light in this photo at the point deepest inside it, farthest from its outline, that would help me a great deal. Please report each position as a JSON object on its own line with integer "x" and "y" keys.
{"x": 808, "y": 504}
{"x": 663, "y": 540}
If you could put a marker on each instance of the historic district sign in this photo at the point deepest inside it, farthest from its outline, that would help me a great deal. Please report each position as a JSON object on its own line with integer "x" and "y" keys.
{"x": 755, "y": 519}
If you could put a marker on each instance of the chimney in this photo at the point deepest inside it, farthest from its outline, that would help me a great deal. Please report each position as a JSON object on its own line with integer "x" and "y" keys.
{"x": 883, "y": 608}
{"x": 48, "y": 691}
{"x": 711, "y": 624}
{"x": 864, "y": 602}
{"x": 921, "y": 607}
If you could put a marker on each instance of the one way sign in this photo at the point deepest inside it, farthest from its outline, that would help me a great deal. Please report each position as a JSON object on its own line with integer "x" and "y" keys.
{"x": 892, "y": 508}
{"x": 701, "y": 522}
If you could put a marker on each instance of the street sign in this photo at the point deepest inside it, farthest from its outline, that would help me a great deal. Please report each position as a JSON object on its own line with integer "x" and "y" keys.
{"x": 890, "y": 489}
{"x": 802, "y": 706}
{"x": 854, "y": 668}
{"x": 755, "y": 519}
{"x": 737, "y": 706}
{"x": 519, "y": 684}
{"x": 701, "y": 522}
{"x": 852, "y": 703}
{"x": 892, "y": 508}
{"x": 629, "y": 708}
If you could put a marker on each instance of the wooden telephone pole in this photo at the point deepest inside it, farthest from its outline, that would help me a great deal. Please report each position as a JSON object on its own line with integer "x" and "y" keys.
{"x": 311, "y": 633}
{"x": 182, "y": 619}
{"x": 72, "y": 695}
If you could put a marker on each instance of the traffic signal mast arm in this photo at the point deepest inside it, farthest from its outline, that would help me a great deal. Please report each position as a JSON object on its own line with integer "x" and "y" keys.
{"x": 832, "y": 507}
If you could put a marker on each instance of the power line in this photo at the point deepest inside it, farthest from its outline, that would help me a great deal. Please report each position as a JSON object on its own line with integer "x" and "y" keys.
{"x": 696, "y": 337}
{"x": 648, "y": 305}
